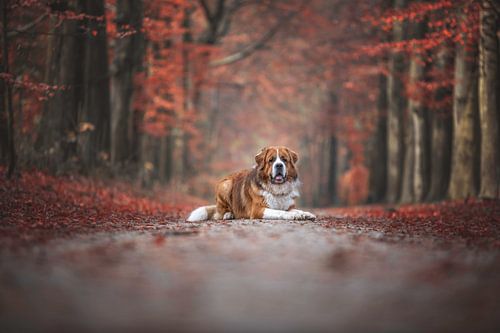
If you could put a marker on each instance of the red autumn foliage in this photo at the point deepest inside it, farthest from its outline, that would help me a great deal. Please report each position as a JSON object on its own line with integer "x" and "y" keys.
{"x": 471, "y": 222}
{"x": 353, "y": 185}
{"x": 37, "y": 206}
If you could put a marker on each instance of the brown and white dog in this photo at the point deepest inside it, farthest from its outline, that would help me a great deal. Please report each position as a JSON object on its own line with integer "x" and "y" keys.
{"x": 267, "y": 191}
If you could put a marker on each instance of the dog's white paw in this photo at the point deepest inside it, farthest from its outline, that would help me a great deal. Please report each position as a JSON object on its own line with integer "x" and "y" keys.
{"x": 310, "y": 216}
{"x": 228, "y": 216}
{"x": 302, "y": 215}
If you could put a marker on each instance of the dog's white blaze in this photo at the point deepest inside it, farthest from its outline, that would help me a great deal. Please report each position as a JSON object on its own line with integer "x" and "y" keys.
{"x": 277, "y": 161}
{"x": 199, "y": 214}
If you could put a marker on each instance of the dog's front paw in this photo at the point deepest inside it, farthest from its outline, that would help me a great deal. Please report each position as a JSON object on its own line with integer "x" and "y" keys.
{"x": 309, "y": 216}
{"x": 228, "y": 216}
{"x": 301, "y": 215}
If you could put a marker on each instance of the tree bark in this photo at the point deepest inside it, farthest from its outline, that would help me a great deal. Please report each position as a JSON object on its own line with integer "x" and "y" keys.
{"x": 419, "y": 123}
{"x": 378, "y": 151}
{"x": 465, "y": 114}
{"x": 488, "y": 99}
{"x": 181, "y": 148}
{"x": 94, "y": 138}
{"x": 127, "y": 61}
{"x": 58, "y": 127}
{"x": 396, "y": 106}
{"x": 441, "y": 135}
{"x": 407, "y": 189}
{"x": 147, "y": 172}
{"x": 332, "y": 163}
{"x": 165, "y": 159}
{"x": 4, "y": 138}
{"x": 11, "y": 148}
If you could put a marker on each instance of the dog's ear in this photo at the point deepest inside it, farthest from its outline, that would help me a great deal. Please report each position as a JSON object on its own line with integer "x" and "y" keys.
{"x": 293, "y": 155}
{"x": 259, "y": 158}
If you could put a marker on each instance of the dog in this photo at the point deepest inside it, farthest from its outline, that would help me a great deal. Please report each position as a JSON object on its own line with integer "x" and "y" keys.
{"x": 267, "y": 191}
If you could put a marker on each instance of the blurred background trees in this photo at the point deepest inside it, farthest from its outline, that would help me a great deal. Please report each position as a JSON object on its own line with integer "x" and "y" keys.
{"x": 386, "y": 100}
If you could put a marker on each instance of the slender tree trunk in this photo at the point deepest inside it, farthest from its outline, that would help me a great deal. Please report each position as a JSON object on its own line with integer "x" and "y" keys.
{"x": 4, "y": 139}
{"x": 378, "y": 152}
{"x": 11, "y": 149}
{"x": 420, "y": 124}
{"x": 187, "y": 85}
{"x": 377, "y": 155}
{"x": 396, "y": 106}
{"x": 465, "y": 114}
{"x": 181, "y": 152}
{"x": 94, "y": 139}
{"x": 147, "y": 169}
{"x": 332, "y": 167}
{"x": 488, "y": 99}
{"x": 407, "y": 188}
{"x": 58, "y": 128}
{"x": 127, "y": 61}
{"x": 165, "y": 158}
{"x": 4, "y": 126}
{"x": 441, "y": 135}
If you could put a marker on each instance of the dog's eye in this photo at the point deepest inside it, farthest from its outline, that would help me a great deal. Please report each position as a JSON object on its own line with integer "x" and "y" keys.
{"x": 284, "y": 160}
{"x": 271, "y": 160}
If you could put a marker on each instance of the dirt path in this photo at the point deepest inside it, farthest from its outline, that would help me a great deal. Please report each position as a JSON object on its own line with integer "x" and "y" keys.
{"x": 252, "y": 276}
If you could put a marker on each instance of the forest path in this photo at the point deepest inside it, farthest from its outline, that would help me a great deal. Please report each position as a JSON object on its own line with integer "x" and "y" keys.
{"x": 253, "y": 276}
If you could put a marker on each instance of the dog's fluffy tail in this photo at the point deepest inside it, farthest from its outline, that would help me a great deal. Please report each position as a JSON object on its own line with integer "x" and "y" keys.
{"x": 202, "y": 214}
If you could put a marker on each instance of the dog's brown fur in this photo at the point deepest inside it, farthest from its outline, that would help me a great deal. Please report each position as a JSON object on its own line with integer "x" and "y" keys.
{"x": 239, "y": 195}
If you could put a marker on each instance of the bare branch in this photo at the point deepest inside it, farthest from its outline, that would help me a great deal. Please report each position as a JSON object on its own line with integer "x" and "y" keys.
{"x": 206, "y": 10}
{"x": 249, "y": 49}
{"x": 28, "y": 26}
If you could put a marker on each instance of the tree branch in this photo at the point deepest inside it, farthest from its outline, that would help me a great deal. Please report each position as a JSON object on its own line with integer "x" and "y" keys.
{"x": 206, "y": 10}
{"x": 249, "y": 49}
{"x": 27, "y": 27}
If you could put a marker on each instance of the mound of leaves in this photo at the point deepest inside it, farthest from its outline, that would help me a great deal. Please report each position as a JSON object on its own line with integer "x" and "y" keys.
{"x": 473, "y": 222}
{"x": 36, "y": 206}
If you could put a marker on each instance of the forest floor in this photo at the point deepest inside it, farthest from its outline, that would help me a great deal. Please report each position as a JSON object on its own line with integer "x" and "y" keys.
{"x": 83, "y": 255}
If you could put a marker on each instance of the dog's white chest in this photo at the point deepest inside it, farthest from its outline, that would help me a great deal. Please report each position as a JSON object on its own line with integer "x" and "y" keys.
{"x": 282, "y": 202}
{"x": 281, "y": 197}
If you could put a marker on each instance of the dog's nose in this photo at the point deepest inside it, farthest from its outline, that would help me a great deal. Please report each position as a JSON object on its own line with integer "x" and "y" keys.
{"x": 279, "y": 166}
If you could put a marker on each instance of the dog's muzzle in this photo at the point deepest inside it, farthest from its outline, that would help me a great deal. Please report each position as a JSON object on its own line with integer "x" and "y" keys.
{"x": 279, "y": 173}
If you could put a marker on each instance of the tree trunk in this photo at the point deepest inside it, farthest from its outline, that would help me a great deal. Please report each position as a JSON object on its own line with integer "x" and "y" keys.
{"x": 332, "y": 167}
{"x": 147, "y": 169}
{"x": 465, "y": 114}
{"x": 378, "y": 152}
{"x": 11, "y": 149}
{"x": 419, "y": 123}
{"x": 407, "y": 188}
{"x": 127, "y": 61}
{"x": 441, "y": 135}
{"x": 58, "y": 128}
{"x": 187, "y": 86}
{"x": 488, "y": 99}
{"x": 4, "y": 138}
{"x": 95, "y": 116}
{"x": 165, "y": 159}
{"x": 396, "y": 106}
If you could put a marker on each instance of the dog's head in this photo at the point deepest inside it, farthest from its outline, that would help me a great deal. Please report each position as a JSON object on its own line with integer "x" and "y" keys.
{"x": 276, "y": 164}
